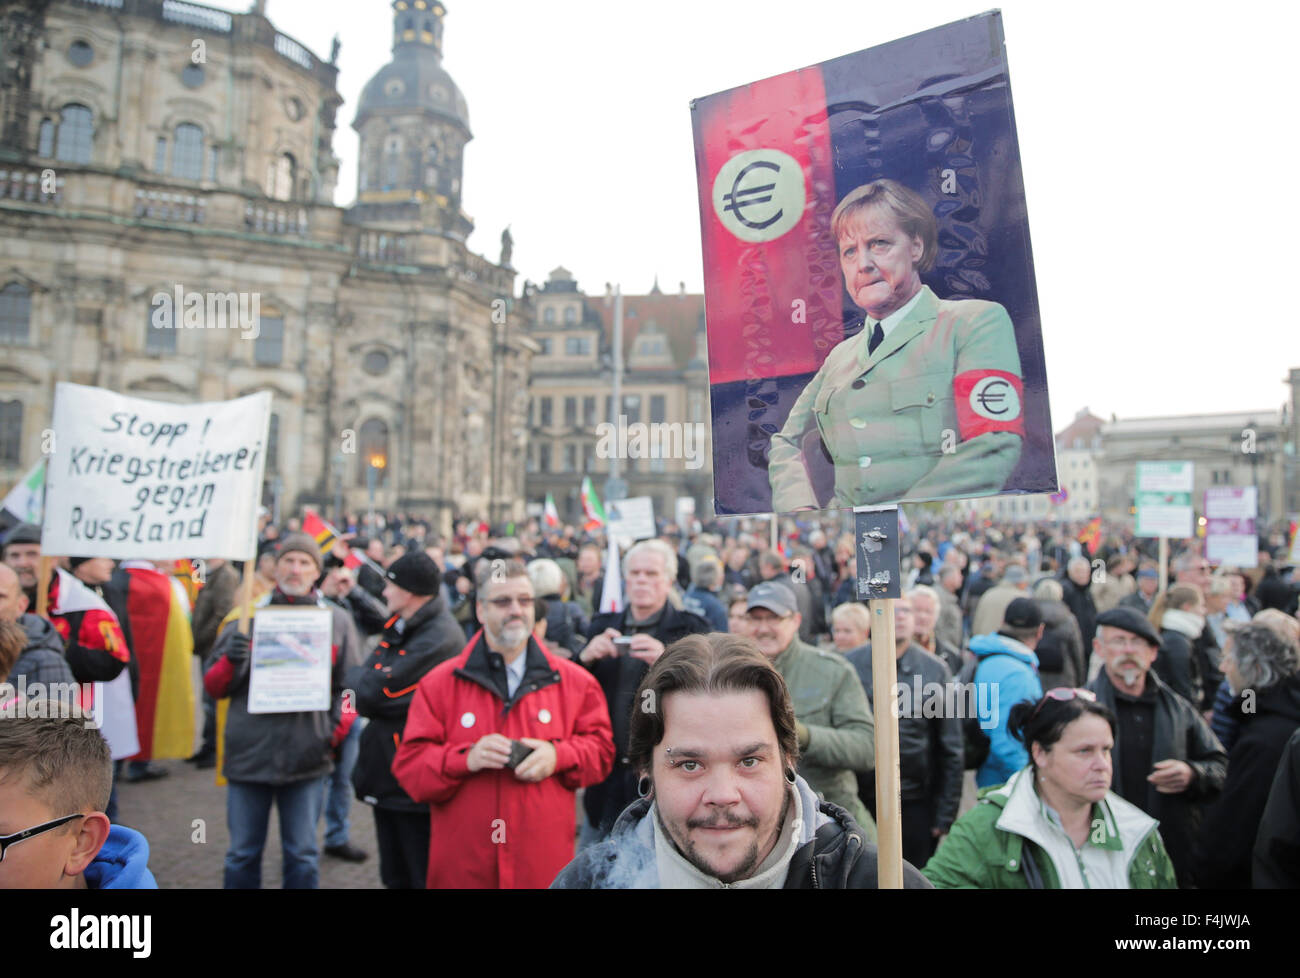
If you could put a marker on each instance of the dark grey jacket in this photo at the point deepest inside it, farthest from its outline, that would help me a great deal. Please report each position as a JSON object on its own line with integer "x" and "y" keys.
{"x": 838, "y": 857}
{"x": 930, "y": 749}
{"x": 280, "y": 748}
{"x": 1181, "y": 734}
{"x": 42, "y": 660}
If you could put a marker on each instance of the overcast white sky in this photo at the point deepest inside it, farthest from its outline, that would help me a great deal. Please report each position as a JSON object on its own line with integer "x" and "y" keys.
{"x": 1157, "y": 141}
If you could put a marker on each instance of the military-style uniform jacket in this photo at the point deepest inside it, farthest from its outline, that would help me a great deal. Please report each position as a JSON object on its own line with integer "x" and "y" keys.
{"x": 829, "y": 700}
{"x": 951, "y": 366}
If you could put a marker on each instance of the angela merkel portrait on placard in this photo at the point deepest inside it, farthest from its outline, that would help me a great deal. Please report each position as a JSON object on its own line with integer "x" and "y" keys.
{"x": 925, "y": 399}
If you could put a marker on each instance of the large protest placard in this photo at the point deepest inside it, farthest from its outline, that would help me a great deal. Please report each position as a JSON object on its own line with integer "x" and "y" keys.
{"x": 290, "y": 660}
{"x": 1230, "y": 514}
{"x": 630, "y": 519}
{"x": 131, "y": 477}
{"x": 1164, "y": 499}
{"x": 872, "y": 315}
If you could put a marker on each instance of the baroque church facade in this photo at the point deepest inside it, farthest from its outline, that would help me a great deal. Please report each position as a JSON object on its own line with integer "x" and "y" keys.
{"x": 155, "y": 147}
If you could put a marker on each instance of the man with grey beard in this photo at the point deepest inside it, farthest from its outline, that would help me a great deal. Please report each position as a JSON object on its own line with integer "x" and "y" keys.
{"x": 279, "y": 758}
{"x": 1165, "y": 760}
{"x": 497, "y": 742}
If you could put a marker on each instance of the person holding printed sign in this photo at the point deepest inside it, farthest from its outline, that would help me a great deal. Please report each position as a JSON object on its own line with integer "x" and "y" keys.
{"x": 926, "y": 401}
{"x": 272, "y": 756}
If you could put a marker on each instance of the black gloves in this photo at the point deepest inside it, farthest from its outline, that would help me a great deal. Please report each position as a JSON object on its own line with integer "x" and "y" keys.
{"x": 237, "y": 648}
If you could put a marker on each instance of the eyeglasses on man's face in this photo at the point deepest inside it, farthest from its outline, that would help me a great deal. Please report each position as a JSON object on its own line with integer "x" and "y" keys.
{"x": 13, "y": 838}
{"x": 505, "y": 602}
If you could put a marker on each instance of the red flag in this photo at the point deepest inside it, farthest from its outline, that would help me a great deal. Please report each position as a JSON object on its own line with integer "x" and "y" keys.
{"x": 1090, "y": 535}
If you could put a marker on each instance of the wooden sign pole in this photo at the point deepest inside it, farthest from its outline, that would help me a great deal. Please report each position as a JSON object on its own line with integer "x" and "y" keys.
{"x": 246, "y": 599}
{"x": 1164, "y": 563}
{"x": 43, "y": 569}
{"x": 889, "y": 814}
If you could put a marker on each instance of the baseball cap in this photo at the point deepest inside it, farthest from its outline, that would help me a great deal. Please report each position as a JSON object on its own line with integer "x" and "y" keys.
{"x": 774, "y": 596}
{"x": 1023, "y": 613}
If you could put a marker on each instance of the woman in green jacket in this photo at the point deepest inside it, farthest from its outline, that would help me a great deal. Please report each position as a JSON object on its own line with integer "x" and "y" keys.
{"x": 1055, "y": 824}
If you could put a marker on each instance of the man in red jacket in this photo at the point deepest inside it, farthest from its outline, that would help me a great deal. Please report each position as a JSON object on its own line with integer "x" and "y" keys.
{"x": 497, "y": 742}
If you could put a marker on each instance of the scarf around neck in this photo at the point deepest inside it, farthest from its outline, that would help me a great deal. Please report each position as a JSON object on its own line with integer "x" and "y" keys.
{"x": 1183, "y": 622}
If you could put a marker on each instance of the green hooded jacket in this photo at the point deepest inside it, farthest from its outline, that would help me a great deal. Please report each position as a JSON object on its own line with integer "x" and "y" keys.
{"x": 986, "y": 849}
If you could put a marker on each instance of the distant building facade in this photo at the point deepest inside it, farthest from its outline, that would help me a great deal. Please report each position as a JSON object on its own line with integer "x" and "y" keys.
{"x": 147, "y": 146}
{"x": 665, "y": 382}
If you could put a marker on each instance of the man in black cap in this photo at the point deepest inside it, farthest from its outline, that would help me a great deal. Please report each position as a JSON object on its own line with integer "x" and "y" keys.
{"x": 1166, "y": 760}
{"x": 22, "y": 552}
{"x": 1005, "y": 672}
{"x": 420, "y": 634}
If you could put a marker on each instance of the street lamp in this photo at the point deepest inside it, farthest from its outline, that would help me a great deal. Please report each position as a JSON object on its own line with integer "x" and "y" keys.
{"x": 377, "y": 462}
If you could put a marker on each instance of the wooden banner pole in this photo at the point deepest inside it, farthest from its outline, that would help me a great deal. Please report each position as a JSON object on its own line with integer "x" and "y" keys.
{"x": 250, "y": 568}
{"x": 43, "y": 569}
{"x": 1164, "y": 563}
{"x": 889, "y": 814}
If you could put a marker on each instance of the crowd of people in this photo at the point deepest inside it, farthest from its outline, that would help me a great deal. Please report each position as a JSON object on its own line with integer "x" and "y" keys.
{"x": 518, "y": 713}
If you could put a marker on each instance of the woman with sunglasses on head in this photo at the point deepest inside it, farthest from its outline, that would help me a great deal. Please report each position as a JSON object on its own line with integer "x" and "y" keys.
{"x": 1055, "y": 824}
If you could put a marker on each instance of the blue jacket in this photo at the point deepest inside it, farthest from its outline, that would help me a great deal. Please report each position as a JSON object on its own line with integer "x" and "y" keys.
{"x": 706, "y": 604}
{"x": 1011, "y": 670}
{"x": 122, "y": 863}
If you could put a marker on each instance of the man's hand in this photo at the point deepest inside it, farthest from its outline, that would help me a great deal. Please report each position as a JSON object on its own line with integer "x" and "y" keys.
{"x": 540, "y": 764}
{"x": 600, "y": 647}
{"x": 490, "y": 753}
{"x": 462, "y": 585}
{"x": 647, "y": 648}
{"x": 1171, "y": 777}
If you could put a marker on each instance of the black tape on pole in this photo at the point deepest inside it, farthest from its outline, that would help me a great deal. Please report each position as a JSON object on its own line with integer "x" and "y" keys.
{"x": 876, "y": 532}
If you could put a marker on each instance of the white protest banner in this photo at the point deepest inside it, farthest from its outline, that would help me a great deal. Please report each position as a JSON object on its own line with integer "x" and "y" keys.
{"x": 1230, "y": 526}
{"x": 290, "y": 660}
{"x": 1164, "y": 499}
{"x": 130, "y": 477}
{"x": 632, "y": 519}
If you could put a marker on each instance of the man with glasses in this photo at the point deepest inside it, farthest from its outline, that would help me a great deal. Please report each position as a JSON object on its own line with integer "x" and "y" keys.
{"x": 833, "y": 721}
{"x": 1166, "y": 759}
{"x": 497, "y": 743}
{"x": 55, "y": 777}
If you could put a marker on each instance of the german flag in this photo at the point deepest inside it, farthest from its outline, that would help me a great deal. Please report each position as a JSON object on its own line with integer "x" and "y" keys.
{"x": 163, "y": 644}
{"x": 326, "y": 536}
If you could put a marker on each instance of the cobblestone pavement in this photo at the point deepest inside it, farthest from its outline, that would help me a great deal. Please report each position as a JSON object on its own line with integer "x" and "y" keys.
{"x": 175, "y": 813}
{"x": 184, "y": 818}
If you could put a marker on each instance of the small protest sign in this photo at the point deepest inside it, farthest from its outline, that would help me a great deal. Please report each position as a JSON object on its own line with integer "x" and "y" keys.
{"x": 131, "y": 477}
{"x": 1230, "y": 513}
{"x": 290, "y": 661}
{"x": 632, "y": 519}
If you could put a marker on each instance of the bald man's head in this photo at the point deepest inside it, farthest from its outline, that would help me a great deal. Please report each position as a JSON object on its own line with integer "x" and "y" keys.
{"x": 13, "y": 602}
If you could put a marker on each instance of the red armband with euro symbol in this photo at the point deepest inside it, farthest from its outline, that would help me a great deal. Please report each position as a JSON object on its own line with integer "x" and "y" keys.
{"x": 988, "y": 400}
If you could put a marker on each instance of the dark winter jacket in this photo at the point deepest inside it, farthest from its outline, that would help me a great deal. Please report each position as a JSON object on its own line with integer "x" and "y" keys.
{"x": 930, "y": 750}
{"x": 566, "y": 626}
{"x": 1267, "y": 720}
{"x": 211, "y": 605}
{"x": 280, "y": 748}
{"x": 1061, "y": 659}
{"x": 42, "y": 660}
{"x": 836, "y": 855}
{"x": 1190, "y": 667}
{"x": 1277, "y": 847}
{"x": 368, "y": 613}
{"x": 1181, "y": 734}
{"x": 384, "y": 685}
{"x": 1079, "y": 601}
{"x": 619, "y": 676}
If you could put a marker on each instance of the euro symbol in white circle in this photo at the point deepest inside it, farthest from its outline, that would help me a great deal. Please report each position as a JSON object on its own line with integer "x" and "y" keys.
{"x": 995, "y": 398}
{"x": 759, "y": 194}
